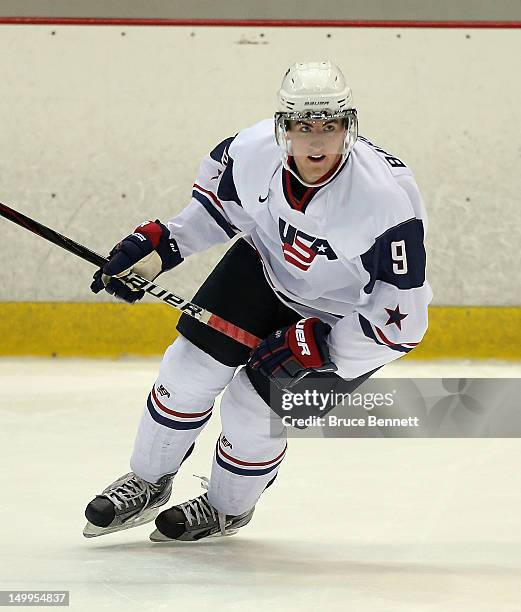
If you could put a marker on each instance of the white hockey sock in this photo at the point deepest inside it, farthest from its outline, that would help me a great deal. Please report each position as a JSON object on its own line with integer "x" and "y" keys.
{"x": 177, "y": 409}
{"x": 249, "y": 450}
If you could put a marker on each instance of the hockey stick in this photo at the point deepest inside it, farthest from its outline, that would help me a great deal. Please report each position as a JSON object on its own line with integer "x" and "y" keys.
{"x": 134, "y": 280}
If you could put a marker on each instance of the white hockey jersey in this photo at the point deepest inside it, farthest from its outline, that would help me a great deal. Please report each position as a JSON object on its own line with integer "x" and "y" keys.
{"x": 350, "y": 252}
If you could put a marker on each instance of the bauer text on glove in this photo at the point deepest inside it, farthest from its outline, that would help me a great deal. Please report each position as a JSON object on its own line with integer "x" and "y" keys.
{"x": 291, "y": 353}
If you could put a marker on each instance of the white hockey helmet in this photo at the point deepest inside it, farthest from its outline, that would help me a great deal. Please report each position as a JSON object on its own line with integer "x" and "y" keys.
{"x": 314, "y": 91}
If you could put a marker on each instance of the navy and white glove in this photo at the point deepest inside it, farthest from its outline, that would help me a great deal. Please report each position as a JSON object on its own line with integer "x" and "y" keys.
{"x": 148, "y": 251}
{"x": 291, "y": 353}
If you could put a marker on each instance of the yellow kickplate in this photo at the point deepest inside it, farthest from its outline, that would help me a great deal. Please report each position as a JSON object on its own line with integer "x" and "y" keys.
{"x": 85, "y": 330}
{"x": 471, "y": 332}
{"x": 114, "y": 330}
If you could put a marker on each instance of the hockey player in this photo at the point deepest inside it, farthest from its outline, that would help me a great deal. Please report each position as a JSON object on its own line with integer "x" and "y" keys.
{"x": 330, "y": 271}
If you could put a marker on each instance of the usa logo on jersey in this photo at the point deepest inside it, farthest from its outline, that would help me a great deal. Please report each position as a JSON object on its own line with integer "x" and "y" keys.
{"x": 301, "y": 249}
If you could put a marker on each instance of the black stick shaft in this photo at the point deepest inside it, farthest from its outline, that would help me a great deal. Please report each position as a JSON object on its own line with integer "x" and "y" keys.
{"x": 52, "y": 236}
{"x": 138, "y": 282}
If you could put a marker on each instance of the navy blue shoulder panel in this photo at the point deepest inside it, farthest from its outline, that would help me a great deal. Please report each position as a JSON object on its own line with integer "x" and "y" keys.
{"x": 226, "y": 191}
{"x": 220, "y": 153}
{"x": 397, "y": 257}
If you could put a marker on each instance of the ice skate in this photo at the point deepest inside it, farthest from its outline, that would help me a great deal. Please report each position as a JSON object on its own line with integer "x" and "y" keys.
{"x": 196, "y": 519}
{"x": 128, "y": 502}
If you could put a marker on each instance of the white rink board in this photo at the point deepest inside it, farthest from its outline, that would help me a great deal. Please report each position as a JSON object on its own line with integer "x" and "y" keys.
{"x": 365, "y": 525}
{"x": 115, "y": 125}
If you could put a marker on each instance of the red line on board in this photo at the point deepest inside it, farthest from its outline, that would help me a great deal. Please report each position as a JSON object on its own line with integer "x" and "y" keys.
{"x": 268, "y": 23}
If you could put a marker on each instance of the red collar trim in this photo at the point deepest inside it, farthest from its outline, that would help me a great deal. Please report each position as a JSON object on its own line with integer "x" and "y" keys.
{"x": 301, "y": 204}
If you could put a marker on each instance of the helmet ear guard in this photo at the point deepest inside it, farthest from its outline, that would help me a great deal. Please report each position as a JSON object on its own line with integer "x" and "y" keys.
{"x": 314, "y": 91}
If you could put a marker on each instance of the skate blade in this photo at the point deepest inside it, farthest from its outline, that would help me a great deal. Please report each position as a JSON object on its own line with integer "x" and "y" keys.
{"x": 92, "y": 531}
{"x": 157, "y": 536}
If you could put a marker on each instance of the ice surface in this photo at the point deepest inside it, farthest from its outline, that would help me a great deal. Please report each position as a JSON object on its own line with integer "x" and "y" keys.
{"x": 364, "y": 525}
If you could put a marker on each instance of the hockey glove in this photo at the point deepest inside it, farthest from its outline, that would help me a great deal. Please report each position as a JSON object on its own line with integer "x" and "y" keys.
{"x": 291, "y": 353}
{"x": 148, "y": 251}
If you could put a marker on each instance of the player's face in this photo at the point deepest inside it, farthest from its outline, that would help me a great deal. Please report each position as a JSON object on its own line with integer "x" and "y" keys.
{"x": 316, "y": 146}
